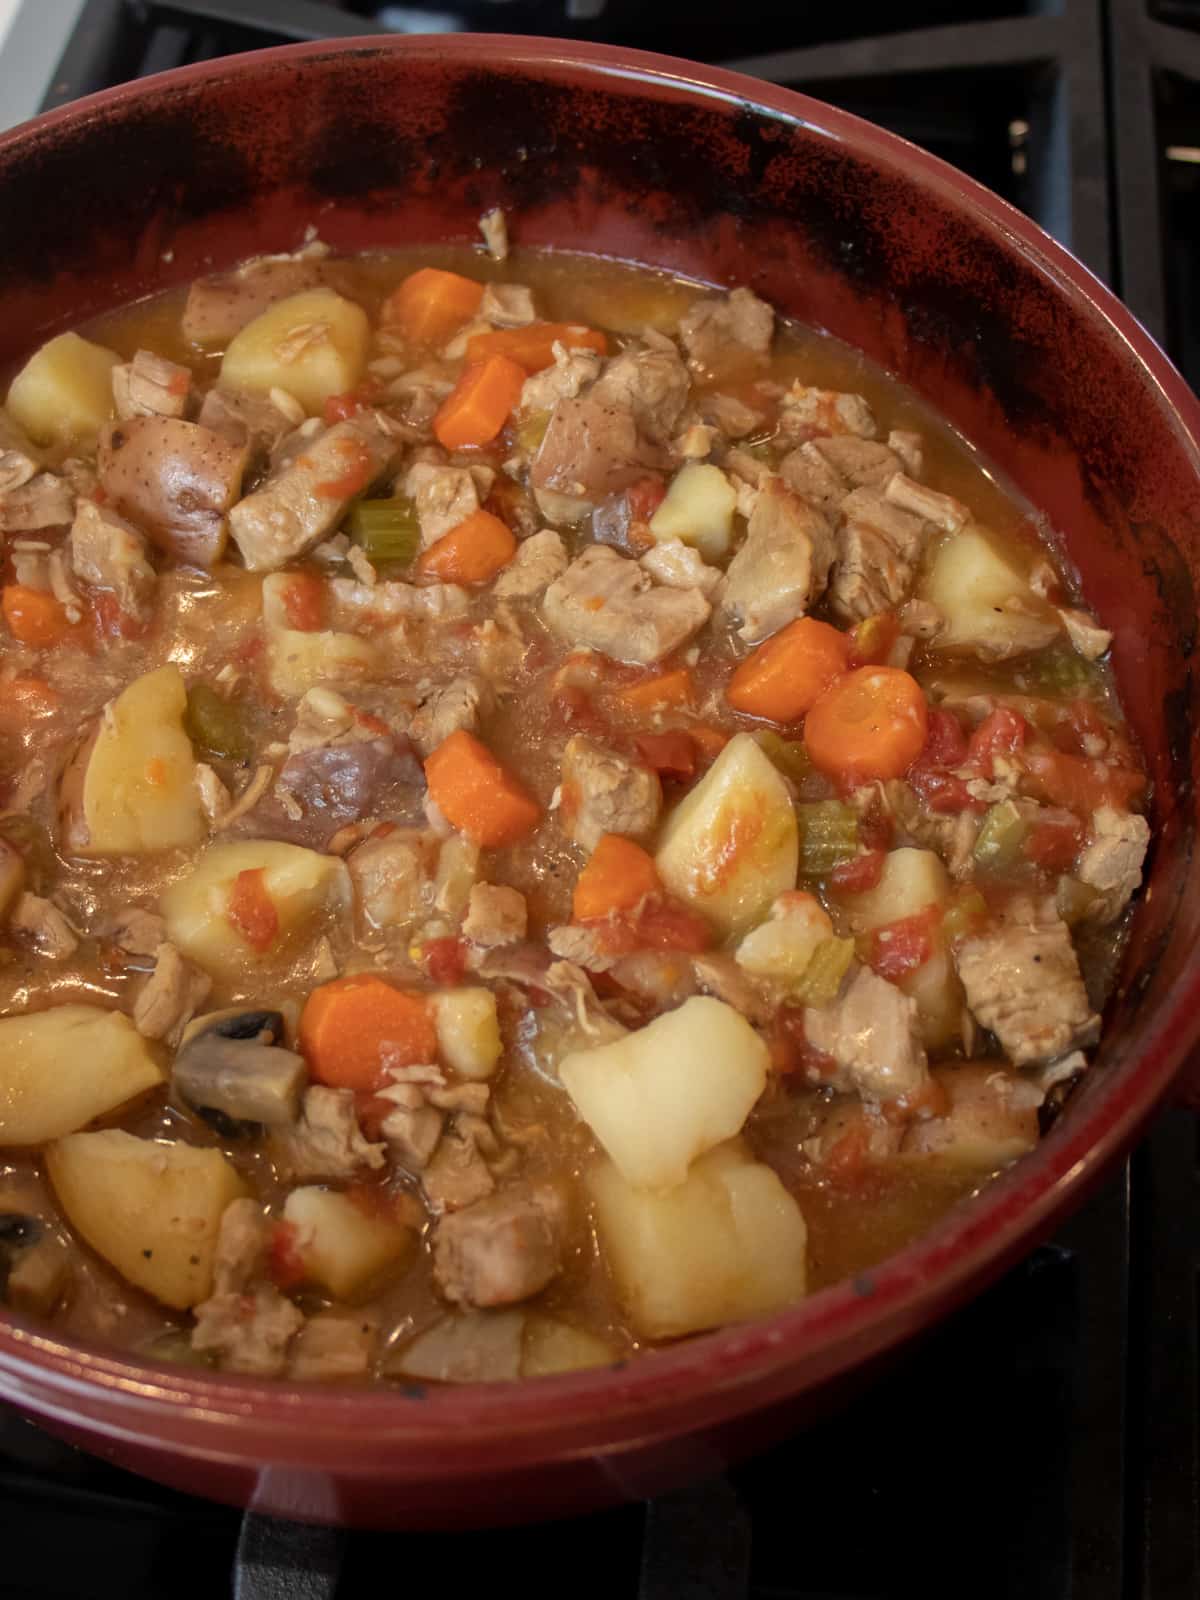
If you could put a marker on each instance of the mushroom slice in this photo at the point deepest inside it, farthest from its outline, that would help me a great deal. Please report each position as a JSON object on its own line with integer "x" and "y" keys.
{"x": 231, "y": 1068}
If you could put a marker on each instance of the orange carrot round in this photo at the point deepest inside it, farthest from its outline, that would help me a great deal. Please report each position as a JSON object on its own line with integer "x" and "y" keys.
{"x": 477, "y": 795}
{"x": 431, "y": 305}
{"x": 472, "y": 552}
{"x": 480, "y": 403}
{"x": 786, "y": 675}
{"x": 353, "y": 1029}
{"x": 532, "y": 347}
{"x": 664, "y": 689}
{"x": 619, "y": 875}
{"x": 871, "y": 723}
{"x": 34, "y": 617}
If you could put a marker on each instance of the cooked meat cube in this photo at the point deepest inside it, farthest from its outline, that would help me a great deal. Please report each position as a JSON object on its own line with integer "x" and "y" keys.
{"x": 537, "y": 563}
{"x": 582, "y": 947}
{"x": 731, "y": 416}
{"x": 1085, "y": 633}
{"x": 860, "y": 463}
{"x": 252, "y": 420}
{"x": 943, "y": 510}
{"x": 176, "y": 480}
{"x": 873, "y": 1035}
{"x": 592, "y": 447}
{"x": 502, "y": 1250}
{"x": 46, "y": 501}
{"x": 1023, "y": 983}
{"x": 1111, "y": 861}
{"x": 814, "y": 479}
{"x": 150, "y": 386}
{"x": 170, "y": 997}
{"x": 305, "y": 499}
{"x": 727, "y": 331}
{"x": 720, "y": 975}
{"x": 951, "y": 834}
{"x": 19, "y": 457}
{"x": 35, "y": 1267}
{"x": 571, "y": 373}
{"x": 334, "y": 1346}
{"x": 392, "y": 873}
{"x": 412, "y": 1130}
{"x": 247, "y": 1325}
{"x": 507, "y": 305}
{"x": 108, "y": 552}
{"x": 782, "y": 567}
{"x": 327, "y": 1142}
{"x": 393, "y": 602}
{"x": 496, "y": 915}
{"x": 606, "y": 602}
{"x": 809, "y": 413}
{"x": 493, "y": 225}
{"x": 220, "y": 306}
{"x": 878, "y": 548}
{"x": 602, "y": 792}
{"x": 136, "y": 931}
{"x": 652, "y": 384}
{"x": 444, "y": 496}
{"x": 679, "y": 566}
{"x": 910, "y": 447}
{"x": 41, "y": 922}
{"x": 338, "y": 784}
{"x": 448, "y": 708}
{"x": 457, "y": 1175}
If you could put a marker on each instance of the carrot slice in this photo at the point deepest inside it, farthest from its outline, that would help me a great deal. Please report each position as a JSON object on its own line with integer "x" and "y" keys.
{"x": 353, "y": 1029}
{"x": 532, "y": 347}
{"x": 666, "y": 689}
{"x": 472, "y": 552}
{"x": 251, "y": 909}
{"x": 788, "y": 673}
{"x": 869, "y": 724}
{"x": 431, "y": 305}
{"x": 619, "y": 875}
{"x": 34, "y": 617}
{"x": 479, "y": 404}
{"x": 477, "y": 795}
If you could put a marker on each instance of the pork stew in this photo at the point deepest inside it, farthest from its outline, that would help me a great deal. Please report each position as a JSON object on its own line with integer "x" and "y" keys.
{"x": 544, "y": 810}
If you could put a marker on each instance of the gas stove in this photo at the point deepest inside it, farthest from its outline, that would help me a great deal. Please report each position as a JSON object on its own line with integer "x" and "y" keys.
{"x": 1045, "y": 1442}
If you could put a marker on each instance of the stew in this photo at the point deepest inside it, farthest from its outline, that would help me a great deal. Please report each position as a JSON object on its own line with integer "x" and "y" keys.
{"x": 543, "y": 809}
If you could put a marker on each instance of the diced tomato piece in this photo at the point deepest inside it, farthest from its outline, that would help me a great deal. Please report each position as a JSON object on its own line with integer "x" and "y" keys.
{"x": 942, "y": 791}
{"x": 444, "y": 960}
{"x": 672, "y": 754}
{"x": 644, "y": 498}
{"x": 860, "y": 874}
{"x": 1000, "y": 733}
{"x": 791, "y": 1053}
{"x": 945, "y": 743}
{"x": 848, "y": 1157}
{"x": 252, "y": 911}
{"x": 340, "y": 407}
{"x": 354, "y": 471}
{"x": 304, "y": 602}
{"x": 371, "y": 1110}
{"x": 901, "y": 947}
{"x": 285, "y": 1265}
{"x": 110, "y": 622}
{"x": 1080, "y": 785}
{"x": 1053, "y": 845}
{"x": 668, "y": 925}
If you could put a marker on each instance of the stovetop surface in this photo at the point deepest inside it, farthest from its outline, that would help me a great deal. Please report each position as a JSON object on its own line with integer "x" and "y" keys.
{"x": 1045, "y": 1441}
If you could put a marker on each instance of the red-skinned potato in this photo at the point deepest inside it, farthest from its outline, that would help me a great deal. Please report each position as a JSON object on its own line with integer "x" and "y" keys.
{"x": 176, "y": 481}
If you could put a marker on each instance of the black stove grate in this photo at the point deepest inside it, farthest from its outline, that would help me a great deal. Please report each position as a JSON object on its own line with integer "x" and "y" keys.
{"x": 1045, "y": 1442}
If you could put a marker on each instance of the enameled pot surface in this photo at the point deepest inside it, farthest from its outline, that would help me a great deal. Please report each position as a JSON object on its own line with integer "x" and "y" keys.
{"x": 732, "y": 181}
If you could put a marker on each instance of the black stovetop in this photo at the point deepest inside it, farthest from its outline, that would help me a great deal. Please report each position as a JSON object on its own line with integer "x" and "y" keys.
{"x": 1045, "y": 1442}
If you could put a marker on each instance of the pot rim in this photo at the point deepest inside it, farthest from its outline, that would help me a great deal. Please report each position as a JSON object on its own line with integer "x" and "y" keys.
{"x": 589, "y": 1412}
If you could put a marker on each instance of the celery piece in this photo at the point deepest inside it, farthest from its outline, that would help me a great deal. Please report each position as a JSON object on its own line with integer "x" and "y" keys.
{"x": 387, "y": 530}
{"x": 532, "y": 431}
{"x": 789, "y": 755}
{"x": 1003, "y": 832}
{"x": 964, "y": 915}
{"x": 822, "y": 977}
{"x": 215, "y": 725}
{"x": 1058, "y": 671}
{"x": 828, "y": 836}
{"x": 1074, "y": 899}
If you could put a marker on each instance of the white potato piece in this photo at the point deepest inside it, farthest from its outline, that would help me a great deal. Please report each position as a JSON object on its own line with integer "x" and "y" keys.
{"x": 131, "y": 786}
{"x": 992, "y": 1119}
{"x": 298, "y": 662}
{"x": 342, "y": 1247}
{"x": 987, "y": 605}
{"x": 150, "y": 1208}
{"x": 731, "y": 844}
{"x": 551, "y": 1346}
{"x": 728, "y": 1244}
{"x": 781, "y": 948}
{"x": 661, "y": 1096}
{"x": 468, "y": 1031}
{"x": 61, "y": 1068}
{"x": 63, "y": 394}
{"x": 313, "y": 345}
{"x": 305, "y": 887}
{"x": 911, "y": 882}
{"x": 698, "y": 509}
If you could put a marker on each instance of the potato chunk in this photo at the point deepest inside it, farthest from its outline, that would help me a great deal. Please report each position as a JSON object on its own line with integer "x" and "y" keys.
{"x": 131, "y": 787}
{"x": 731, "y": 845}
{"x": 987, "y": 605}
{"x": 150, "y": 1208}
{"x": 62, "y": 1067}
{"x": 913, "y": 882}
{"x": 698, "y": 509}
{"x": 302, "y": 886}
{"x": 658, "y": 1098}
{"x": 342, "y": 1247}
{"x": 728, "y": 1244}
{"x": 551, "y": 1346}
{"x": 468, "y": 1031}
{"x": 312, "y": 345}
{"x": 63, "y": 394}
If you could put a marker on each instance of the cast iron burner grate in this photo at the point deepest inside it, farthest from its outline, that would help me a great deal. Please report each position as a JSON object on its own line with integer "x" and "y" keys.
{"x": 1045, "y": 1442}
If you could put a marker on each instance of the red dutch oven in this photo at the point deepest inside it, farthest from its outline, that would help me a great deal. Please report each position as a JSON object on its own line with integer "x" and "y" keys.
{"x": 728, "y": 180}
